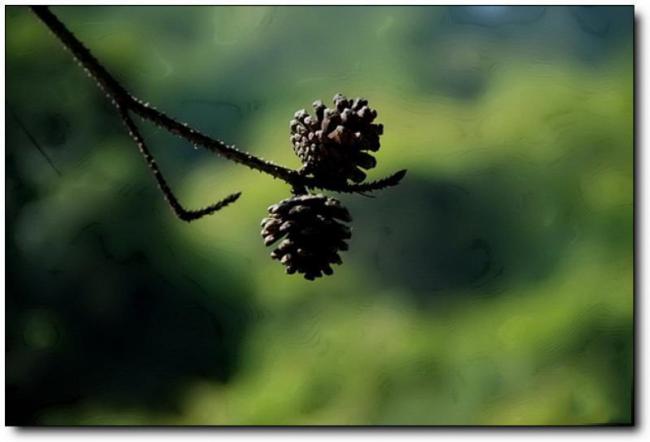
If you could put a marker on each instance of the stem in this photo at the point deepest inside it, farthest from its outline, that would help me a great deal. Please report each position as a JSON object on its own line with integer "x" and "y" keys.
{"x": 120, "y": 97}
{"x": 389, "y": 181}
{"x": 179, "y": 210}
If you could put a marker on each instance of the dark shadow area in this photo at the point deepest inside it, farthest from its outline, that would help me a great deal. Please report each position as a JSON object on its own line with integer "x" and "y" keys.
{"x": 478, "y": 233}
{"x": 109, "y": 322}
{"x": 114, "y": 310}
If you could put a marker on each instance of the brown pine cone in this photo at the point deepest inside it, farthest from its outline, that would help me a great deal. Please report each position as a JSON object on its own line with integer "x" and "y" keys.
{"x": 333, "y": 144}
{"x": 312, "y": 231}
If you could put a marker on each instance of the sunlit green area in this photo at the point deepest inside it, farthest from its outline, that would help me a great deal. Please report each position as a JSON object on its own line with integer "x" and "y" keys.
{"x": 494, "y": 286}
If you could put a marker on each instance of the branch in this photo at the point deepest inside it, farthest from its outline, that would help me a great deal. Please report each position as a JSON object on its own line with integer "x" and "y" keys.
{"x": 179, "y": 210}
{"x": 126, "y": 102}
{"x": 389, "y": 181}
{"x": 120, "y": 97}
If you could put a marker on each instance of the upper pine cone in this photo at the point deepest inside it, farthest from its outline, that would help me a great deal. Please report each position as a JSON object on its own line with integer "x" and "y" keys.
{"x": 333, "y": 143}
{"x": 314, "y": 236}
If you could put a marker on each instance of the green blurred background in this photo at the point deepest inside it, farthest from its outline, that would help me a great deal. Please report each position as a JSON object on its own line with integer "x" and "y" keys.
{"x": 494, "y": 286}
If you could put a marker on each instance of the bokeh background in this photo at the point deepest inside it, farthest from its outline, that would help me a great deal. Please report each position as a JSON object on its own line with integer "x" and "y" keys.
{"x": 493, "y": 287}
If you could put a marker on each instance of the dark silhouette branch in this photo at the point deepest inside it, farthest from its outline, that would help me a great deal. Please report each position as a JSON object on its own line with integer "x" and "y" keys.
{"x": 389, "y": 181}
{"x": 125, "y": 102}
{"x": 121, "y": 97}
{"x": 179, "y": 210}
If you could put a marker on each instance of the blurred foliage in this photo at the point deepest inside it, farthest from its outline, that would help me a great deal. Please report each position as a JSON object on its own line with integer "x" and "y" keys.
{"x": 494, "y": 286}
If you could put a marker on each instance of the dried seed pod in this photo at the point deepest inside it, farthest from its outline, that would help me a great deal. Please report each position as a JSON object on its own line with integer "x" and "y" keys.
{"x": 333, "y": 143}
{"x": 313, "y": 233}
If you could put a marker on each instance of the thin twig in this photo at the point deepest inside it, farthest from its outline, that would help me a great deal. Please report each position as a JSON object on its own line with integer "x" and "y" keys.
{"x": 31, "y": 138}
{"x": 179, "y": 210}
{"x": 389, "y": 181}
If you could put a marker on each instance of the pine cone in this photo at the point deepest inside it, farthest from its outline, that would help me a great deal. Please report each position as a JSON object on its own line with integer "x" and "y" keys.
{"x": 314, "y": 236}
{"x": 333, "y": 143}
